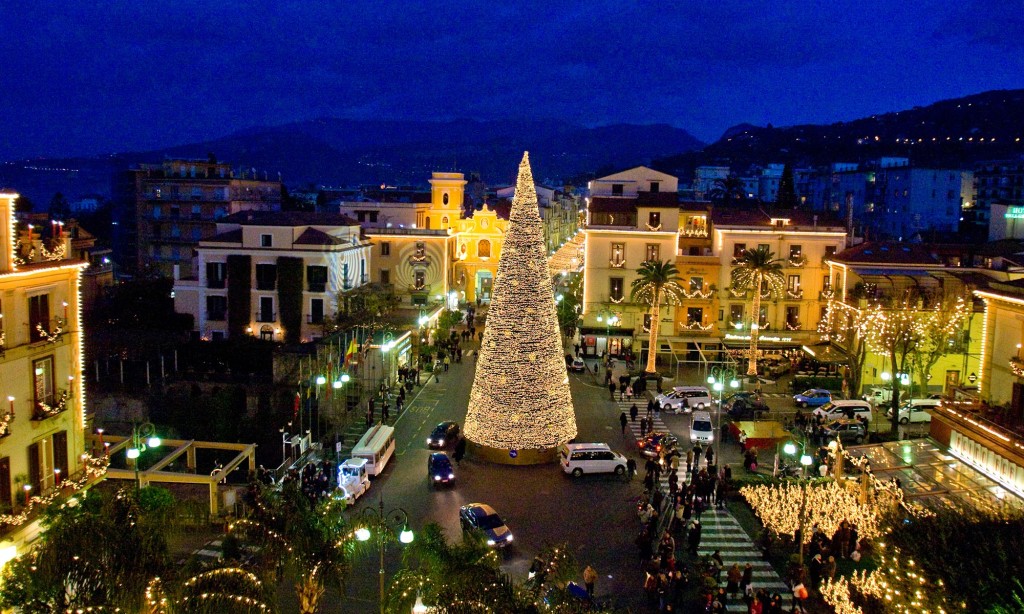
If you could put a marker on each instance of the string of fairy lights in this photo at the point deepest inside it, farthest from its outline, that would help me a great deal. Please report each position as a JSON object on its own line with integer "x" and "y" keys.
{"x": 897, "y": 582}
{"x": 520, "y": 397}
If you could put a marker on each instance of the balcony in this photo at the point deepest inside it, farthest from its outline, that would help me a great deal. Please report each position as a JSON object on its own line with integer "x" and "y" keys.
{"x": 827, "y": 294}
{"x": 417, "y": 261}
{"x": 89, "y": 471}
{"x": 317, "y": 286}
{"x": 315, "y": 318}
{"x": 794, "y": 294}
{"x": 49, "y": 332}
{"x": 266, "y": 316}
{"x": 216, "y": 316}
{"x": 55, "y": 405}
{"x": 796, "y": 261}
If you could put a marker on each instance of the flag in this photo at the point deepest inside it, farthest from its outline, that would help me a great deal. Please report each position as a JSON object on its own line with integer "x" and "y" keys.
{"x": 350, "y": 353}
{"x": 295, "y": 408}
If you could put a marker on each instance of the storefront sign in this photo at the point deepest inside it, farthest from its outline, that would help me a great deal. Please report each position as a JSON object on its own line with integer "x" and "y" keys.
{"x": 770, "y": 339}
{"x": 1014, "y": 213}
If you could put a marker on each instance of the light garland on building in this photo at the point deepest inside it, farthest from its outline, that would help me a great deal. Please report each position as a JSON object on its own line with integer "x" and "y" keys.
{"x": 55, "y": 334}
{"x": 93, "y": 467}
{"x": 695, "y": 326}
{"x": 58, "y": 252}
{"x": 5, "y": 424}
{"x": 520, "y": 397}
{"x": 49, "y": 411}
{"x": 698, "y": 294}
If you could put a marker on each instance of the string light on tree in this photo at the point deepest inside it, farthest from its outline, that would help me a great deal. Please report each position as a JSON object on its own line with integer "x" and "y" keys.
{"x": 759, "y": 271}
{"x": 520, "y": 397}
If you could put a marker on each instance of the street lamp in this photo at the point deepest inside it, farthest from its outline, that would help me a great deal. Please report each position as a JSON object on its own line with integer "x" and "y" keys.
{"x": 143, "y": 438}
{"x": 718, "y": 378}
{"x": 790, "y": 448}
{"x": 385, "y": 525}
{"x": 284, "y": 442}
{"x": 610, "y": 319}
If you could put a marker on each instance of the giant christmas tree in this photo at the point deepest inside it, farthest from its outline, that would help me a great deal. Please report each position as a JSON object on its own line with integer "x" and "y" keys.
{"x": 520, "y": 409}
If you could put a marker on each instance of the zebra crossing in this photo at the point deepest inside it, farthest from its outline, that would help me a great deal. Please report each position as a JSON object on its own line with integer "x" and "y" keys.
{"x": 721, "y": 531}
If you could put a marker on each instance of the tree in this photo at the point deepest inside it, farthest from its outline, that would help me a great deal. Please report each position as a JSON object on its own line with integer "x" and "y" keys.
{"x": 569, "y": 308}
{"x": 99, "y": 552}
{"x": 59, "y": 208}
{"x": 941, "y": 334}
{"x": 656, "y": 281}
{"x": 786, "y": 197}
{"x": 312, "y": 541}
{"x": 758, "y": 271}
{"x": 24, "y": 204}
{"x": 728, "y": 191}
{"x": 843, "y": 325}
{"x": 222, "y": 590}
{"x": 898, "y": 333}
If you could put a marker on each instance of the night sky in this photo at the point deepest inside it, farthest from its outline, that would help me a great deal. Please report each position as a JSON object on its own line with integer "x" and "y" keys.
{"x": 84, "y": 77}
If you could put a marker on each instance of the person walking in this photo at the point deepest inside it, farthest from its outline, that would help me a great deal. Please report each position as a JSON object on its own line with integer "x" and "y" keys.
{"x": 611, "y": 390}
{"x": 693, "y": 538}
{"x": 460, "y": 450}
{"x": 633, "y": 412}
{"x": 747, "y": 579}
{"x": 643, "y": 426}
{"x": 689, "y": 461}
{"x": 631, "y": 468}
{"x": 732, "y": 580}
{"x": 623, "y": 420}
{"x": 710, "y": 457}
{"x": 589, "y": 578}
{"x": 622, "y": 390}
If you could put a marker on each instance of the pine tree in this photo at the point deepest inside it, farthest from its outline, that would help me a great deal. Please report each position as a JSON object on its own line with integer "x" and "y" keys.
{"x": 520, "y": 397}
{"x": 786, "y": 197}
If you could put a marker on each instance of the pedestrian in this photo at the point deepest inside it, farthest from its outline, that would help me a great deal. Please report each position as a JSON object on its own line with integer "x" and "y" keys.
{"x": 643, "y": 426}
{"x": 623, "y": 420}
{"x": 622, "y": 389}
{"x": 447, "y": 361}
{"x": 385, "y": 412}
{"x": 437, "y": 375}
{"x": 589, "y": 578}
{"x": 460, "y": 450}
{"x": 657, "y": 409}
{"x": 689, "y": 460}
{"x": 747, "y": 579}
{"x": 611, "y": 390}
{"x": 631, "y": 468}
{"x": 710, "y": 457}
{"x": 830, "y": 568}
{"x": 400, "y": 403}
{"x": 693, "y": 538}
{"x": 732, "y": 580}
{"x": 633, "y": 412}
{"x": 629, "y": 392}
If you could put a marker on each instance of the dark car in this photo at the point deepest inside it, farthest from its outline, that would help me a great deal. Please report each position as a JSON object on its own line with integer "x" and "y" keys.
{"x": 444, "y": 434}
{"x": 482, "y": 517}
{"x": 747, "y": 407}
{"x": 439, "y": 469}
{"x": 847, "y": 431}
{"x": 652, "y": 445}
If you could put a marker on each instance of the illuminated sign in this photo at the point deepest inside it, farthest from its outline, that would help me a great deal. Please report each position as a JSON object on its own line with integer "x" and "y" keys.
{"x": 732, "y": 337}
{"x": 1014, "y": 213}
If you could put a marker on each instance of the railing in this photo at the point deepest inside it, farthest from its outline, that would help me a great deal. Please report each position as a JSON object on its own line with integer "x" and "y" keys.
{"x": 266, "y": 285}
{"x": 796, "y": 261}
{"x": 266, "y": 317}
{"x": 794, "y": 293}
{"x": 44, "y": 410}
{"x": 51, "y": 332}
{"x": 419, "y": 260}
{"x": 216, "y": 316}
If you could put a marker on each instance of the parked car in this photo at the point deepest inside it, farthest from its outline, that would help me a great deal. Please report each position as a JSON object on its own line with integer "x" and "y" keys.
{"x": 482, "y": 517}
{"x": 653, "y": 444}
{"x": 815, "y": 397}
{"x": 578, "y": 366}
{"x": 732, "y": 398}
{"x": 444, "y": 434}
{"x": 748, "y": 408}
{"x": 580, "y": 458}
{"x": 847, "y": 431}
{"x": 673, "y": 401}
{"x": 915, "y": 410}
{"x": 877, "y": 395}
{"x": 439, "y": 469}
{"x": 849, "y": 408}
{"x": 697, "y": 397}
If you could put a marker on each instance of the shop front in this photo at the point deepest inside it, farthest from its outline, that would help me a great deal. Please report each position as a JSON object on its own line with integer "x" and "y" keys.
{"x": 613, "y": 341}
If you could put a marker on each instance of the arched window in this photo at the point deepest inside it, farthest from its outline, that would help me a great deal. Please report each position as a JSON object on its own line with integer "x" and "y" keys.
{"x": 483, "y": 248}
{"x": 444, "y": 221}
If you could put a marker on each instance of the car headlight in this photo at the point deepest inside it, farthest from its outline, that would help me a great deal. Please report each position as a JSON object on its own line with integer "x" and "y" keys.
{"x": 437, "y": 478}
{"x": 429, "y": 441}
{"x": 490, "y": 542}
{"x": 509, "y": 537}
{"x": 451, "y": 476}
{"x": 440, "y": 442}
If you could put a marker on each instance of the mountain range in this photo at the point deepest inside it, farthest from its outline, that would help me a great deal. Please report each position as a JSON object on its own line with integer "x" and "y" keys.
{"x": 343, "y": 152}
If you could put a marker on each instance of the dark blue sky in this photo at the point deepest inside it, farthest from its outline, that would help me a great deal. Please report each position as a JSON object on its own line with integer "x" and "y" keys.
{"x": 98, "y": 76}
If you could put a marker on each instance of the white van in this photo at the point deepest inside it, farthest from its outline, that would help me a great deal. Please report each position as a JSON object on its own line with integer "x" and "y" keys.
{"x": 697, "y": 397}
{"x": 701, "y": 428}
{"x": 877, "y": 396}
{"x": 842, "y": 408}
{"x": 915, "y": 410}
{"x": 579, "y": 458}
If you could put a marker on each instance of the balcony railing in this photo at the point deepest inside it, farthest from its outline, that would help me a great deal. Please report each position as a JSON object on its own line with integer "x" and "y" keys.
{"x": 56, "y": 405}
{"x": 266, "y": 284}
{"x": 216, "y": 316}
{"x": 266, "y": 316}
{"x": 796, "y": 261}
{"x": 794, "y": 294}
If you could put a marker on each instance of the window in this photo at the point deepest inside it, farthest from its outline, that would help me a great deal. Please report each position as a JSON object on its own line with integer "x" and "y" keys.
{"x": 345, "y": 283}
{"x": 796, "y": 252}
{"x": 696, "y": 284}
{"x": 618, "y": 253}
{"x": 197, "y": 233}
{"x": 735, "y": 314}
{"x": 266, "y": 276}
{"x": 826, "y": 283}
{"x": 197, "y": 212}
{"x": 38, "y": 316}
{"x": 42, "y": 379}
{"x": 175, "y": 231}
{"x": 738, "y": 249}
{"x": 616, "y": 189}
{"x": 316, "y": 278}
{"x": 216, "y": 308}
{"x": 763, "y": 246}
{"x": 266, "y": 313}
{"x": 655, "y": 186}
{"x": 792, "y": 317}
{"x": 420, "y": 280}
{"x": 175, "y": 213}
{"x": 830, "y": 250}
{"x": 316, "y": 311}
{"x": 793, "y": 283}
{"x": 695, "y": 315}
{"x": 220, "y": 212}
{"x": 157, "y": 212}
{"x": 654, "y": 219}
{"x": 762, "y": 321}
{"x": 653, "y": 252}
{"x": 444, "y": 221}
{"x": 615, "y": 288}
{"x": 647, "y": 322}
{"x": 266, "y": 241}
{"x": 483, "y": 248}
{"x": 362, "y": 271}
{"x": 444, "y": 199}
{"x": 385, "y": 277}
{"x": 385, "y": 248}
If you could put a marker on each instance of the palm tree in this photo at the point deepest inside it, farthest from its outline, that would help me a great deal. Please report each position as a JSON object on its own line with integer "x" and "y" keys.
{"x": 221, "y": 590}
{"x": 656, "y": 281}
{"x": 758, "y": 270}
{"x": 313, "y": 542}
{"x": 728, "y": 190}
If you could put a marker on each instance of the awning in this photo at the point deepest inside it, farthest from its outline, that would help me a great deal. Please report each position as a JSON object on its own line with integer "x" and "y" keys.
{"x": 825, "y": 353}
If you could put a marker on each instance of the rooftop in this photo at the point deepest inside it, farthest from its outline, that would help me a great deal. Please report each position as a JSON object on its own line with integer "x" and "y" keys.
{"x": 761, "y": 217}
{"x": 888, "y": 253}
{"x": 289, "y": 218}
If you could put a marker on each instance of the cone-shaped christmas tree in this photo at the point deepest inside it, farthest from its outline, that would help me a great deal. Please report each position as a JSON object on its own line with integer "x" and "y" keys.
{"x": 520, "y": 408}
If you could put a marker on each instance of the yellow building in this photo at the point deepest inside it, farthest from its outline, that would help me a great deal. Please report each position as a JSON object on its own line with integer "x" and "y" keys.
{"x": 42, "y": 429}
{"x": 478, "y": 246}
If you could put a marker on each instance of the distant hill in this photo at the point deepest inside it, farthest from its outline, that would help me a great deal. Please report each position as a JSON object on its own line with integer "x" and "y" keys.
{"x": 345, "y": 152}
{"x": 951, "y": 133}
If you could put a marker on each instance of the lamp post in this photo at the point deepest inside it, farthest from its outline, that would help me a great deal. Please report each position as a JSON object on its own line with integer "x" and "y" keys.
{"x": 143, "y": 438}
{"x": 387, "y": 345}
{"x": 284, "y": 442}
{"x": 790, "y": 448}
{"x": 610, "y": 319}
{"x": 719, "y": 377}
{"x": 385, "y": 525}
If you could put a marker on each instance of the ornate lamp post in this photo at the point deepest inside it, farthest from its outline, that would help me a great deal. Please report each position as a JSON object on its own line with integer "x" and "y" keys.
{"x": 790, "y": 448}
{"x": 610, "y": 319}
{"x": 143, "y": 437}
{"x": 719, "y": 377}
{"x": 383, "y": 525}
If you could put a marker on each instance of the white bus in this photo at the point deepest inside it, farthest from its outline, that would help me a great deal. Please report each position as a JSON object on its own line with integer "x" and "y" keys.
{"x": 377, "y": 446}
